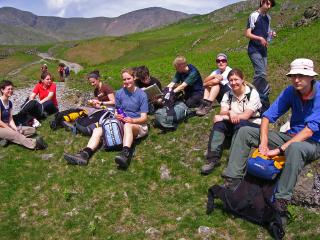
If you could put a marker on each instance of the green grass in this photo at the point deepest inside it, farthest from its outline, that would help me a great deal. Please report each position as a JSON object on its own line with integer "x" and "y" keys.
{"x": 48, "y": 199}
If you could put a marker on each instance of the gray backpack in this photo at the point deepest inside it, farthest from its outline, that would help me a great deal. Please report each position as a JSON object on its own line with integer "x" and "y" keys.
{"x": 168, "y": 118}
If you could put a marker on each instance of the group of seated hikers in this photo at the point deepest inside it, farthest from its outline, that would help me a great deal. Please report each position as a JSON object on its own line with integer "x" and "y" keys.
{"x": 240, "y": 123}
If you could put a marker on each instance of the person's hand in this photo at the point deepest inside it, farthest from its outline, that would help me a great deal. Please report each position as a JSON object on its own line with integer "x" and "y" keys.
{"x": 218, "y": 118}
{"x": 273, "y": 153}
{"x": 219, "y": 77}
{"x": 119, "y": 117}
{"x": 263, "y": 42}
{"x": 274, "y": 34}
{"x": 263, "y": 149}
{"x": 127, "y": 120}
{"x": 234, "y": 118}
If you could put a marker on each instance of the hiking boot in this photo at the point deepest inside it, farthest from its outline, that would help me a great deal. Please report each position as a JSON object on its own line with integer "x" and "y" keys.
{"x": 4, "y": 142}
{"x": 124, "y": 158}
{"x": 208, "y": 167}
{"x": 231, "y": 183}
{"x": 203, "y": 110}
{"x": 40, "y": 143}
{"x": 81, "y": 158}
{"x": 281, "y": 206}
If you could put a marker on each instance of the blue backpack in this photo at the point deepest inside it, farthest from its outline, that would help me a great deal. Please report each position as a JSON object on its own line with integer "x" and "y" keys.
{"x": 112, "y": 130}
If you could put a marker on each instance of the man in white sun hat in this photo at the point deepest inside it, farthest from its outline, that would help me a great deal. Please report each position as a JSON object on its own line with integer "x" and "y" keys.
{"x": 300, "y": 144}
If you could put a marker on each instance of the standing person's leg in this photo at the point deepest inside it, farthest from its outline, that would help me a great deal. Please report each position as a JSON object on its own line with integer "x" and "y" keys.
{"x": 82, "y": 157}
{"x": 260, "y": 82}
{"x": 215, "y": 145}
{"x": 131, "y": 132}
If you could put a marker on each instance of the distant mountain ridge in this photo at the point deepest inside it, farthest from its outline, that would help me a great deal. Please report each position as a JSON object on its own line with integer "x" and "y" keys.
{"x": 22, "y": 27}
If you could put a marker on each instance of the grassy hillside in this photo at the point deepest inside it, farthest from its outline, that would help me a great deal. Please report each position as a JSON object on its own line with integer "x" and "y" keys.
{"x": 45, "y": 198}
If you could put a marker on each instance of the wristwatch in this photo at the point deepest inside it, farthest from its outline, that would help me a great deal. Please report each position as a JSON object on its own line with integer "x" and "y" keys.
{"x": 281, "y": 150}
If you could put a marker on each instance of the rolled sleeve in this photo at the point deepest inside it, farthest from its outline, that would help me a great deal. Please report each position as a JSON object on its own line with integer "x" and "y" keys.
{"x": 314, "y": 126}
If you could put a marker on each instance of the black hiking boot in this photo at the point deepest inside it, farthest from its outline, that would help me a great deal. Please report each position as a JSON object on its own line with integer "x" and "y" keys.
{"x": 81, "y": 158}
{"x": 281, "y": 206}
{"x": 40, "y": 143}
{"x": 124, "y": 158}
{"x": 209, "y": 167}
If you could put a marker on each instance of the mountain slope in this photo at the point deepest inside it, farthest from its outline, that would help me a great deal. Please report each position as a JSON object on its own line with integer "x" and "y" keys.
{"x": 61, "y": 29}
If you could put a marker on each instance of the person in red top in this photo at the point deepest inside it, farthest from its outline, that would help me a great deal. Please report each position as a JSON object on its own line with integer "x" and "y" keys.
{"x": 46, "y": 90}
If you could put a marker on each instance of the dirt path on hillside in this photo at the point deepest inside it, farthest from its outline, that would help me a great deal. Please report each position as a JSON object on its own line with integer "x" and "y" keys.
{"x": 20, "y": 95}
{"x": 73, "y": 66}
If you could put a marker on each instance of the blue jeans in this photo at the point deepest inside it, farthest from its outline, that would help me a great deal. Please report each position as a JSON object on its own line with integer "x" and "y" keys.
{"x": 259, "y": 79}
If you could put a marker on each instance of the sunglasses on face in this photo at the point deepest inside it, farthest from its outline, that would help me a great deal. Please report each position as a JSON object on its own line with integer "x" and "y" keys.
{"x": 221, "y": 60}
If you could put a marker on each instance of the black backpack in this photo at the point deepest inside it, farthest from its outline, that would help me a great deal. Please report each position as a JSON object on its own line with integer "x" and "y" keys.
{"x": 251, "y": 200}
{"x": 69, "y": 115}
{"x": 86, "y": 124}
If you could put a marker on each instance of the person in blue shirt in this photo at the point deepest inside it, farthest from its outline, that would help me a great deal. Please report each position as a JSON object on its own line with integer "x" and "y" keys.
{"x": 259, "y": 32}
{"x": 190, "y": 82}
{"x": 300, "y": 144}
{"x": 134, "y": 103}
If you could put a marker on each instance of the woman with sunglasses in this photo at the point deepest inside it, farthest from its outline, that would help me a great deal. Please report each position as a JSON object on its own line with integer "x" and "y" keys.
{"x": 9, "y": 132}
{"x": 239, "y": 107}
{"x": 215, "y": 85}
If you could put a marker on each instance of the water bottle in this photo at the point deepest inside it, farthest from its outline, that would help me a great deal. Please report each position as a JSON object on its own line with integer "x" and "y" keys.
{"x": 121, "y": 112}
{"x": 270, "y": 36}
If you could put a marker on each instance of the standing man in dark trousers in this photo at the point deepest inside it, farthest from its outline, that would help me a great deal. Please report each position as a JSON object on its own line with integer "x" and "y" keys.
{"x": 259, "y": 32}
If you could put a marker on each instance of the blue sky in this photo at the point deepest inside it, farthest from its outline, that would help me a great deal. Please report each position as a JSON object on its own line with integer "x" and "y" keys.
{"x": 110, "y": 8}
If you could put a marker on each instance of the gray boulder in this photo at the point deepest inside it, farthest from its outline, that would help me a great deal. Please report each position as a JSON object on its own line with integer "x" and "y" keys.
{"x": 307, "y": 189}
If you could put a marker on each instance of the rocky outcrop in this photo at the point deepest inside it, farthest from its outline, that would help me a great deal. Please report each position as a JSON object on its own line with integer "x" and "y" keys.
{"x": 312, "y": 13}
{"x": 307, "y": 189}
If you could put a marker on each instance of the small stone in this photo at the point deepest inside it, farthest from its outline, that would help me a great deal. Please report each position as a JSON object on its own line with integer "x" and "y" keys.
{"x": 187, "y": 185}
{"x": 23, "y": 215}
{"x": 46, "y": 157}
{"x": 164, "y": 172}
{"x": 111, "y": 172}
{"x": 44, "y": 212}
{"x": 206, "y": 231}
{"x": 37, "y": 188}
{"x": 153, "y": 233}
{"x": 179, "y": 219}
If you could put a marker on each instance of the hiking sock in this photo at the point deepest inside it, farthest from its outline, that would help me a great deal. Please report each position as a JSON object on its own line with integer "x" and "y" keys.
{"x": 89, "y": 151}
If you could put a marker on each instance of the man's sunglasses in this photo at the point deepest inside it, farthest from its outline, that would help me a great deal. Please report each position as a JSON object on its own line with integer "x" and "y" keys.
{"x": 221, "y": 60}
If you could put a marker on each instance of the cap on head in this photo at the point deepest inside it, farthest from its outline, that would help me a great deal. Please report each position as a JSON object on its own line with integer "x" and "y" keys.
{"x": 222, "y": 55}
{"x": 302, "y": 66}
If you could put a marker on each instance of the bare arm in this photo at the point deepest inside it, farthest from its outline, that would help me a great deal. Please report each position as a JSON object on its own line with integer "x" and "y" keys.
{"x": 264, "y": 128}
{"x": 250, "y": 35}
{"x": 303, "y": 135}
{"x": 140, "y": 120}
{"x": 212, "y": 80}
{"x": 47, "y": 98}
{"x": 180, "y": 87}
{"x": 32, "y": 96}
{"x": 11, "y": 122}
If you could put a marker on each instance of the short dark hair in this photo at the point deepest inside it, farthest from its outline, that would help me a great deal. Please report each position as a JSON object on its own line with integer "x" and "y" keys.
{"x": 273, "y": 2}
{"x": 4, "y": 84}
{"x": 142, "y": 72}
